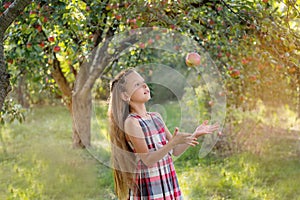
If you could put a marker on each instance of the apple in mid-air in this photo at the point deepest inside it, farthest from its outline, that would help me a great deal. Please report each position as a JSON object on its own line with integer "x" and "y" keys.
{"x": 193, "y": 59}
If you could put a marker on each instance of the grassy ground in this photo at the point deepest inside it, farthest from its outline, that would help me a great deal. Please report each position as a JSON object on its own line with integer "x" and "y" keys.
{"x": 37, "y": 162}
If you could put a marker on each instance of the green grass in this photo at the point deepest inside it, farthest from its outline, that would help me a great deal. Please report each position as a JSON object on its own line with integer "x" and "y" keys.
{"x": 38, "y": 162}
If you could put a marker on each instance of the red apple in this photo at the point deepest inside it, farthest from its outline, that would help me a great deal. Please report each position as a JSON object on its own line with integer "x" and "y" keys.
{"x": 39, "y": 28}
{"x": 157, "y": 37}
{"x": 6, "y": 5}
{"x": 235, "y": 73}
{"x": 172, "y": 26}
{"x": 193, "y": 59}
{"x": 211, "y": 22}
{"x": 42, "y": 44}
{"x": 132, "y": 21}
{"x": 45, "y": 19}
{"x": 28, "y": 45}
{"x": 150, "y": 41}
{"x": 56, "y": 48}
{"x": 91, "y": 36}
{"x": 118, "y": 17}
{"x": 32, "y": 13}
{"x": 142, "y": 45}
{"x": 134, "y": 26}
{"x": 10, "y": 61}
{"x": 51, "y": 39}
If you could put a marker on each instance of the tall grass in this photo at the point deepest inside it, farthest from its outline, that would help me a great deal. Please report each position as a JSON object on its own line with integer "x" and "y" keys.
{"x": 37, "y": 162}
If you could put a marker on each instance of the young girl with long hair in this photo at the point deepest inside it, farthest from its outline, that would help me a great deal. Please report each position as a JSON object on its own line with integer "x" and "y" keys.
{"x": 141, "y": 144}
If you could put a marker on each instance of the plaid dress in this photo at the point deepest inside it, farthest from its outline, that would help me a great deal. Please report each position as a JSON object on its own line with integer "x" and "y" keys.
{"x": 159, "y": 181}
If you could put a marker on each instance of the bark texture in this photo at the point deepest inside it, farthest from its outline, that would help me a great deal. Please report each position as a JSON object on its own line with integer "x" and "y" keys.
{"x": 6, "y": 19}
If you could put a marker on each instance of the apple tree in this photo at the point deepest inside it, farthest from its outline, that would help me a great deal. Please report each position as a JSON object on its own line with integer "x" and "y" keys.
{"x": 9, "y": 11}
{"x": 60, "y": 37}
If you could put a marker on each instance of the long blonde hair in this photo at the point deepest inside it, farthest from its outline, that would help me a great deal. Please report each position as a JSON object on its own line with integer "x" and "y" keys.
{"x": 123, "y": 158}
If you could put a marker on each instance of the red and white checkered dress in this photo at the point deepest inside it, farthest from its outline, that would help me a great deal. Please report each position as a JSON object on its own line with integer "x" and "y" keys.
{"x": 159, "y": 181}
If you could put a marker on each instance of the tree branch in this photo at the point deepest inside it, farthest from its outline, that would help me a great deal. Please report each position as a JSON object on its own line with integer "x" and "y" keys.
{"x": 61, "y": 81}
{"x": 236, "y": 13}
{"x": 11, "y": 13}
{"x": 101, "y": 58}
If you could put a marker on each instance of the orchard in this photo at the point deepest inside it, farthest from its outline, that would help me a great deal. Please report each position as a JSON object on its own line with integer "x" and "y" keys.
{"x": 45, "y": 47}
{"x": 254, "y": 45}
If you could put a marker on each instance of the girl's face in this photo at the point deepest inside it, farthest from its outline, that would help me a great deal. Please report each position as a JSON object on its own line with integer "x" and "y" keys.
{"x": 136, "y": 88}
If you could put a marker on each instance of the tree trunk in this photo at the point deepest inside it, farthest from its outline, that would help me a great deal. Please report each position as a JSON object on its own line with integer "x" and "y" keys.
{"x": 81, "y": 115}
{"x": 22, "y": 91}
{"x": 79, "y": 104}
{"x": 6, "y": 19}
{"x": 62, "y": 83}
{"x": 4, "y": 76}
{"x": 298, "y": 92}
{"x": 81, "y": 110}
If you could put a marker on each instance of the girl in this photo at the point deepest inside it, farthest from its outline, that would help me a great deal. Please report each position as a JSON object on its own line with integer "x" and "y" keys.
{"x": 141, "y": 143}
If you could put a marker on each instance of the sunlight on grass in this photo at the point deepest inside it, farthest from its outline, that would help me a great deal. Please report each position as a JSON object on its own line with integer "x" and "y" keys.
{"x": 41, "y": 164}
{"x": 241, "y": 177}
{"x": 38, "y": 162}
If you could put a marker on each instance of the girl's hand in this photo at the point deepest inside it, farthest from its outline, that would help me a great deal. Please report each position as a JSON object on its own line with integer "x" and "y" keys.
{"x": 183, "y": 138}
{"x": 204, "y": 128}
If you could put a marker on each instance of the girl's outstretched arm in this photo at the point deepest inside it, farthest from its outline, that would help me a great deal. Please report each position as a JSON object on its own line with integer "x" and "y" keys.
{"x": 201, "y": 130}
{"x": 135, "y": 135}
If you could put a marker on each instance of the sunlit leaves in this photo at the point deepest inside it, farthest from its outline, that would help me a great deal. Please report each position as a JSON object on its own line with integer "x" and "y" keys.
{"x": 231, "y": 31}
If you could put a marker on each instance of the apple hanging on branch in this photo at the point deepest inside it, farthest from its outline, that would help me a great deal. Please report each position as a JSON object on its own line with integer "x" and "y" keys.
{"x": 56, "y": 48}
{"x": 193, "y": 59}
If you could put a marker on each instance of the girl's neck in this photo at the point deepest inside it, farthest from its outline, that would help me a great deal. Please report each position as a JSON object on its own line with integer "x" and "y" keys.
{"x": 139, "y": 109}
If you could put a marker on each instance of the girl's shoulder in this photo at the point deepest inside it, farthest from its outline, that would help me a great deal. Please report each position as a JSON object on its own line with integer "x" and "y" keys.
{"x": 151, "y": 116}
{"x": 133, "y": 116}
{"x": 154, "y": 114}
